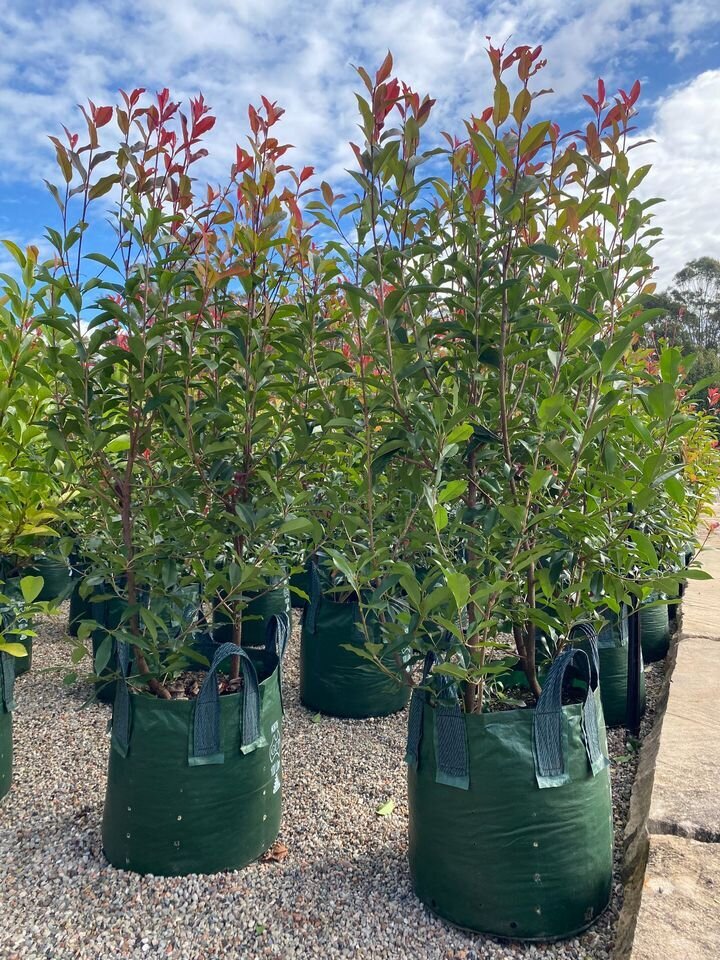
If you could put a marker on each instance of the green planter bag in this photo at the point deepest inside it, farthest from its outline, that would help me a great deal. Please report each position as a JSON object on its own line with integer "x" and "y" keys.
{"x": 654, "y": 632}
{"x": 7, "y": 678}
{"x": 510, "y": 829}
{"x": 57, "y": 578}
{"x": 108, "y": 614}
{"x": 261, "y": 609}
{"x": 613, "y": 645}
{"x": 337, "y": 681}
{"x": 79, "y": 606}
{"x": 302, "y": 582}
{"x": 23, "y": 664}
{"x": 194, "y": 786}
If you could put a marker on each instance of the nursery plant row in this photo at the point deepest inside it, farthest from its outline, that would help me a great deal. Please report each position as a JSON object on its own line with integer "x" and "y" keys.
{"x": 423, "y": 408}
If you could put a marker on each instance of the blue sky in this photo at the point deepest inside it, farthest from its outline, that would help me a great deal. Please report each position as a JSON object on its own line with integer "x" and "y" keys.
{"x": 60, "y": 53}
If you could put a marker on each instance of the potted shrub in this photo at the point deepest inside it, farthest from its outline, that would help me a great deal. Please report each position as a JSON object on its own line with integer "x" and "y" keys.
{"x": 29, "y": 496}
{"x": 332, "y": 678}
{"x": 173, "y": 368}
{"x": 499, "y": 308}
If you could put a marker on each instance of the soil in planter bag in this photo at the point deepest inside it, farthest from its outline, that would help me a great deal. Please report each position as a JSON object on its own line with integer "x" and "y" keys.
{"x": 613, "y": 644}
{"x": 108, "y": 614}
{"x": 260, "y": 608}
{"x": 654, "y": 632}
{"x": 510, "y": 828}
{"x": 194, "y": 786}
{"x": 337, "y": 681}
{"x": 7, "y": 679}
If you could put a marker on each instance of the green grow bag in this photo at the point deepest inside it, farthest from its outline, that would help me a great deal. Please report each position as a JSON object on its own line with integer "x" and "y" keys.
{"x": 655, "y": 632}
{"x": 613, "y": 643}
{"x": 194, "y": 786}
{"x": 108, "y": 613}
{"x": 337, "y": 681}
{"x": 23, "y": 664}
{"x": 7, "y": 678}
{"x": 79, "y": 608}
{"x": 262, "y": 608}
{"x": 302, "y": 582}
{"x": 57, "y": 581}
{"x": 510, "y": 830}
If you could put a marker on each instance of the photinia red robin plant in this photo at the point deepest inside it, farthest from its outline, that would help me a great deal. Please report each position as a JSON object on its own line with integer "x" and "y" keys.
{"x": 173, "y": 355}
{"x": 499, "y": 306}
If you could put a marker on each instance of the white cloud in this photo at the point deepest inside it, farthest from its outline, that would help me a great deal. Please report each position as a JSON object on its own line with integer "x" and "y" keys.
{"x": 686, "y": 173}
{"x": 299, "y": 53}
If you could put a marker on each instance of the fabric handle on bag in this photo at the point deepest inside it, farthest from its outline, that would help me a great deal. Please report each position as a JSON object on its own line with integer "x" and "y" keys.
{"x": 7, "y": 680}
{"x": 206, "y": 748}
{"x": 121, "y": 706}
{"x": 452, "y": 763}
{"x": 415, "y": 715}
{"x": 277, "y": 637}
{"x": 548, "y": 733}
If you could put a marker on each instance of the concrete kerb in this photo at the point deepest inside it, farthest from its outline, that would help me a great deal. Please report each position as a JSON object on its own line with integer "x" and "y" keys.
{"x": 672, "y": 857}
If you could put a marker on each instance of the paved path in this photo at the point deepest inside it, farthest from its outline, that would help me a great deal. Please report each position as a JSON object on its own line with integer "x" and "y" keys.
{"x": 679, "y": 917}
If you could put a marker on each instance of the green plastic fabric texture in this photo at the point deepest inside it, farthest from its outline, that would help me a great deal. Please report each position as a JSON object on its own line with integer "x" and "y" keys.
{"x": 613, "y": 656}
{"x": 167, "y": 817}
{"x": 262, "y": 608}
{"x": 23, "y": 664}
{"x": 504, "y": 857}
{"x": 6, "y": 752}
{"x": 302, "y": 582}
{"x": 79, "y": 610}
{"x": 6, "y": 725}
{"x": 57, "y": 584}
{"x": 108, "y": 614}
{"x": 655, "y": 632}
{"x": 336, "y": 681}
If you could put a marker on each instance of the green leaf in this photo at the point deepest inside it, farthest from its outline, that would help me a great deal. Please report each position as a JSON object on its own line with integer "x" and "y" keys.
{"x": 661, "y": 400}
{"x": 645, "y": 548}
{"x": 31, "y": 588}
{"x": 459, "y": 586}
{"x": 670, "y": 360}
{"x": 551, "y": 407}
{"x": 540, "y": 479}
{"x": 675, "y": 490}
{"x": 501, "y": 103}
{"x": 385, "y": 809}
{"x": 452, "y": 490}
{"x": 119, "y": 444}
{"x": 463, "y": 431}
{"x": 296, "y": 525}
{"x": 613, "y": 354}
{"x": 534, "y": 137}
{"x": 14, "y": 649}
{"x": 451, "y": 670}
{"x": 440, "y": 516}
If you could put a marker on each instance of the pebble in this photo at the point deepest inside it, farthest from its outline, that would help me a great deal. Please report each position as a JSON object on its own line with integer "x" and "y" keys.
{"x": 342, "y": 891}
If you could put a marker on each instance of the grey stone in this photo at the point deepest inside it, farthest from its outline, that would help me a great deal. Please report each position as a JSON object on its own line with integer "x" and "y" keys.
{"x": 686, "y": 799}
{"x": 681, "y": 902}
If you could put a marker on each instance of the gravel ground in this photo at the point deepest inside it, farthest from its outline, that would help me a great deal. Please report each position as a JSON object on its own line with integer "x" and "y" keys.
{"x": 342, "y": 891}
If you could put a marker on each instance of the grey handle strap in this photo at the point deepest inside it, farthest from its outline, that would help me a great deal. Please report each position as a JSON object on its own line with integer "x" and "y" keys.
{"x": 589, "y": 633}
{"x": 277, "y": 637}
{"x": 121, "y": 705}
{"x": 415, "y": 715}
{"x": 548, "y": 733}
{"x": 452, "y": 762}
{"x": 205, "y": 747}
{"x": 7, "y": 681}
